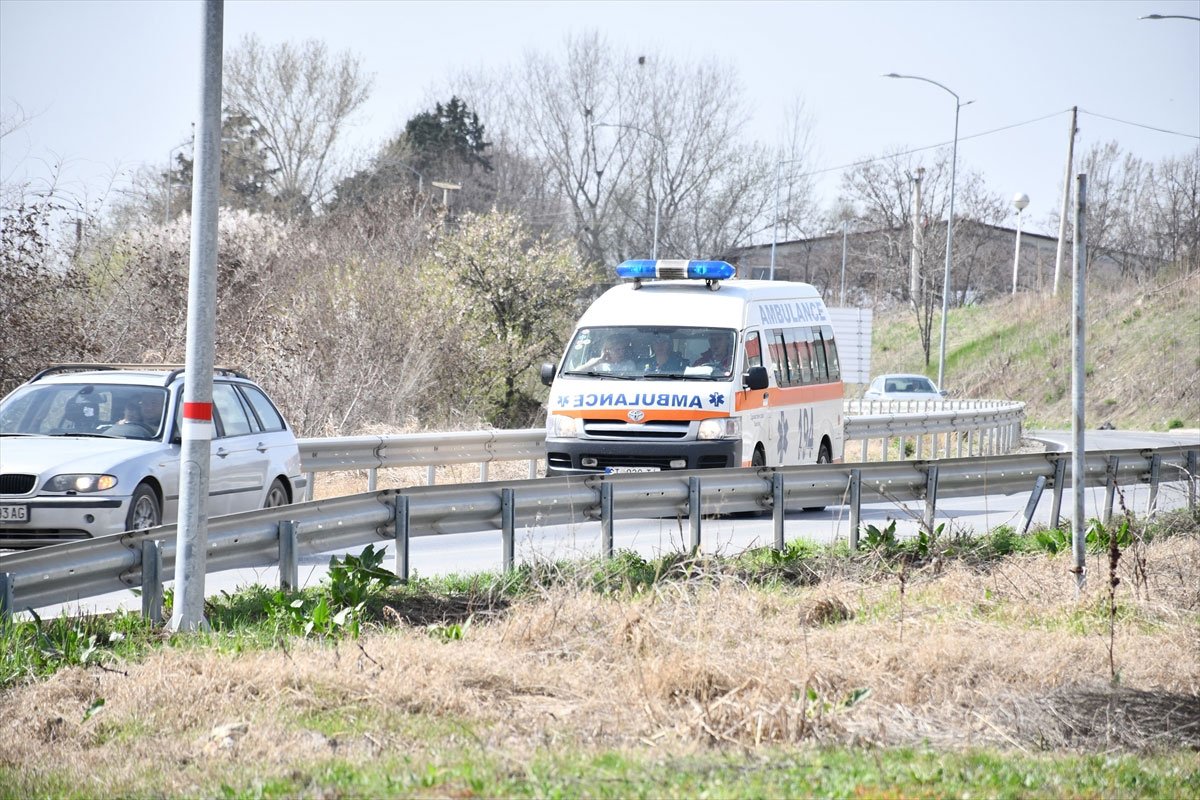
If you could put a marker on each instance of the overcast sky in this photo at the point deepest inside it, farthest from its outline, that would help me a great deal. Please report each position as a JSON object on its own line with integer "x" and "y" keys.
{"x": 114, "y": 85}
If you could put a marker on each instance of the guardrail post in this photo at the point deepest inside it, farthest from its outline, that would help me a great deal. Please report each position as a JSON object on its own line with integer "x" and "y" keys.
{"x": 310, "y": 486}
{"x": 372, "y": 479}
{"x": 289, "y": 570}
{"x": 1155, "y": 471}
{"x": 152, "y": 587}
{"x": 533, "y": 467}
{"x": 1110, "y": 492}
{"x": 400, "y": 518}
{"x": 606, "y": 520}
{"x": 866, "y": 443}
{"x": 1191, "y": 479}
{"x": 694, "y": 511}
{"x": 886, "y": 440}
{"x": 508, "y": 525}
{"x": 959, "y": 439}
{"x": 1032, "y": 505}
{"x": 777, "y": 509}
{"x": 931, "y": 486}
{"x": 1060, "y": 480}
{"x": 855, "y": 506}
{"x": 6, "y": 596}
{"x": 430, "y": 475}
{"x": 483, "y": 472}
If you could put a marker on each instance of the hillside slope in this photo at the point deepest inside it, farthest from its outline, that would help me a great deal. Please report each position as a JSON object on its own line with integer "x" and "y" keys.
{"x": 1142, "y": 354}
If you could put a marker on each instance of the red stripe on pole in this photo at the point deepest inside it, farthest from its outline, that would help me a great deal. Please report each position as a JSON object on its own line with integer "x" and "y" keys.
{"x": 199, "y": 412}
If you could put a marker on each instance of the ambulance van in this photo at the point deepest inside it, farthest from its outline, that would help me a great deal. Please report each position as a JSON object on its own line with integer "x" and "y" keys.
{"x": 683, "y": 366}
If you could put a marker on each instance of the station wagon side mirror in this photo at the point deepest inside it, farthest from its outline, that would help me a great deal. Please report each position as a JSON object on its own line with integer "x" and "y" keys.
{"x": 547, "y": 373}
{"x": 755, "y": 378}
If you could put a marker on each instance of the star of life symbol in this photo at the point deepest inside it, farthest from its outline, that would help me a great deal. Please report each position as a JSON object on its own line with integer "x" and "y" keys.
{"x": 636, "y": 415}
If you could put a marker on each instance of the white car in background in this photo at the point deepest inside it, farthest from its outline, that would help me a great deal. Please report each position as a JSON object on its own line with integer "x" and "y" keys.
{"x": 903, "y": 387}
{"x": 90, "y": 449}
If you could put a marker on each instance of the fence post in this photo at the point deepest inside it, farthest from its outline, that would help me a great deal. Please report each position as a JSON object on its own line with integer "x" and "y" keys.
{"x": 606, "y": 520}
{"x": 508, "y": 525}
{"x": 400, "y": 519}
{"x": 694, "y": 511}
{"x": 1034, "y": 497}
{"x": 152, "y": 588}
{"x": 855, "y": 506}
{"x": 1060, "y": 479}
{"x": 931, "y": 486}
{"x": 1155, "y": 470}
{"x": 1110, "y": 491}
{"x": 289, "y": 571}
{"x": 777, "y": 508}
{"x": 6, "y": 596}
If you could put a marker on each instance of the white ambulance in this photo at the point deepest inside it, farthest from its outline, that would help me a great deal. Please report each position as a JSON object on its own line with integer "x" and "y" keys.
{"x": 683, "y": 366}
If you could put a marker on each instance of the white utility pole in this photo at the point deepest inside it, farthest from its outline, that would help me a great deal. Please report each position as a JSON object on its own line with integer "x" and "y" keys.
{"x": 1020, "y": 201}
{"x": 1066, "y": 202}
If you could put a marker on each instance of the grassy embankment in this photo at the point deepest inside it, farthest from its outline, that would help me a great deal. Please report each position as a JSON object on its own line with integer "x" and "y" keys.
{"x": 964, "y": 667}
{"x": 1142, "y": 354}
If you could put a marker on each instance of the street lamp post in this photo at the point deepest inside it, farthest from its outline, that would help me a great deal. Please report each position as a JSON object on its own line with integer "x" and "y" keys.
{"x": 170, "y": 153}
{"x": 1020, "y": 201}
{"x": 657, "y": 197}
{"x": 775, "y": 222}
{"x": 958, "y": 104}
{"x": 842, "y": 296}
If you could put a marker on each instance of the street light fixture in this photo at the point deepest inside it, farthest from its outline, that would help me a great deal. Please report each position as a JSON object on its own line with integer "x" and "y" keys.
{"x": 1020, "y": 201}
{"x": 958, "y": 104}
{"x": 657, "y": 198}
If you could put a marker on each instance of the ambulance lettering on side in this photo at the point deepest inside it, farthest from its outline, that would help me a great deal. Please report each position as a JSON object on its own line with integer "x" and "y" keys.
{"x": 685, "y": 367}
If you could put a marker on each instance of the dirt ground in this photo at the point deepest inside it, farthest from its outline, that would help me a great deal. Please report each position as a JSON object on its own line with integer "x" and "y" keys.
{"x": 952, "y": 656}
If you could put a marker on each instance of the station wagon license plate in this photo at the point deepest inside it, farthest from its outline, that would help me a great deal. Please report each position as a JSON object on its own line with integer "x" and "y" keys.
{"x": 14, "y": 513}
{"x": 617, "y": 470}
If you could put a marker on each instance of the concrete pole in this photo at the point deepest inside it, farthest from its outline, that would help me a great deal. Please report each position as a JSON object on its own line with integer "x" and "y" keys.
{"x": 775, "y": 224}
{"x": 842, "y": 296}
{"x": 1017, "y": 251}
{"x": 1066, "y": 202}
{"x": 1078, "y": 534}
{"x": 192, "y": 537}
{"x": 914, "y": 275}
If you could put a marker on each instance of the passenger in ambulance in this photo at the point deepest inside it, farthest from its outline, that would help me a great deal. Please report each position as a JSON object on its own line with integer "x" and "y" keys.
{"x": 664, "y": 360}
{"x": 719, "y": 354}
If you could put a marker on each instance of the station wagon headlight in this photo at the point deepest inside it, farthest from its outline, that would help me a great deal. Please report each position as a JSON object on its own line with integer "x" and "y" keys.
{"x": 81, "y": 483}
{"x": 559, "y": 426}
{"x": 720, "y": 428}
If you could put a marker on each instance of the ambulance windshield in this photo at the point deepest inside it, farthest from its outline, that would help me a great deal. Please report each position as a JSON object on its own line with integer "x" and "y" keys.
{"x": 652, "y": 352}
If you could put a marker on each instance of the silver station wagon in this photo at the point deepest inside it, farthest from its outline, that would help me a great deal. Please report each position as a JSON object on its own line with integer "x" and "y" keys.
{"x": 90, "y": 449}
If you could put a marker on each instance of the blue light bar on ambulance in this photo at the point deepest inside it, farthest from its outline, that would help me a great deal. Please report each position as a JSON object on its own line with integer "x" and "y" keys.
{"x": 675, "y": 269}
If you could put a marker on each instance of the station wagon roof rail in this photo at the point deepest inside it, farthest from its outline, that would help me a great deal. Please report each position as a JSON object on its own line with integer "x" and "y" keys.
{"x": 174, "y": 370}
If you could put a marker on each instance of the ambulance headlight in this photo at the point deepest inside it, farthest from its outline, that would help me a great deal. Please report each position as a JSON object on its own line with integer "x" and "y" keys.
{"x": 559, "y": 426}
{"x": 720, "y": 428}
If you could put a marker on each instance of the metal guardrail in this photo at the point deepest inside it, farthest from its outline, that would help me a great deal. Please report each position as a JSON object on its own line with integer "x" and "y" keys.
{"x": 978, "y": 426}
{"x": 68, "y": 572}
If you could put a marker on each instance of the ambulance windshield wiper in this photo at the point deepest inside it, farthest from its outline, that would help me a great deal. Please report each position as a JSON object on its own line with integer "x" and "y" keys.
{"x": 595, "y": 374}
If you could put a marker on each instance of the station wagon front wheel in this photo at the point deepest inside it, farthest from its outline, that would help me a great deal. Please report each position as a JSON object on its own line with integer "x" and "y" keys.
{"x": 144, "y": 511}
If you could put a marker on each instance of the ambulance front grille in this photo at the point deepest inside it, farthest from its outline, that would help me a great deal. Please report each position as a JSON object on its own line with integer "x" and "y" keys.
{"x": 616, "y": 429}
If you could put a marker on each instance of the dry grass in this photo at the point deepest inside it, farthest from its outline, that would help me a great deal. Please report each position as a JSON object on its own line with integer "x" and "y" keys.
{"x": 1006, "y": 656}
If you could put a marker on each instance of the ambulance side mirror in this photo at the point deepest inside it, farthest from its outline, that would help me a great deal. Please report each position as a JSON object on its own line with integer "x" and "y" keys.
{"x": 755, "y": 378}
{"x": 547, "y": 373}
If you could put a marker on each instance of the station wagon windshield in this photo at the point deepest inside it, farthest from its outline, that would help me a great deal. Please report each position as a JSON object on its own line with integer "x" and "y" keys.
{"x": 118, "y": 411}
{"x": 653, "y": 352}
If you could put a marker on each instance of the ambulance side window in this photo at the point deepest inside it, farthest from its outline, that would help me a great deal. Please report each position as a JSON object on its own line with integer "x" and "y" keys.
{"x": 753, "y": 350}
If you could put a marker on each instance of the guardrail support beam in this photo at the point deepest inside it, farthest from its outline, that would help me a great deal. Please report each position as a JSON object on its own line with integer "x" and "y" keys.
{"x": 1155, "y": 471}
{"x": 606, "y": 520}
{"x": 152, "y": 587}
{"x": 1034, "y": 496}
{"x": 1060, "y": 481}
{"x": 508, "y": 525}
{"x": 1110, "y": 491}
{"x": 694, "y": 511}
{"x": 931, "y": 487}
{"x": 289, "y": 569}
{"x": 855, "y": 506}
{"x": 6, "y": 596}
{"x": 777, "y": 509}
{"x": 400, "y": 518}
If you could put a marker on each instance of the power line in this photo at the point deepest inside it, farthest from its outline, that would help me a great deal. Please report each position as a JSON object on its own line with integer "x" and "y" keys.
{"x": 1139, "y": 125}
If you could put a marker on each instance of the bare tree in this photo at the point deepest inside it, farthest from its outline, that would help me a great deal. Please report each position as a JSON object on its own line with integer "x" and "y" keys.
{"x": 301, "y": 98}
